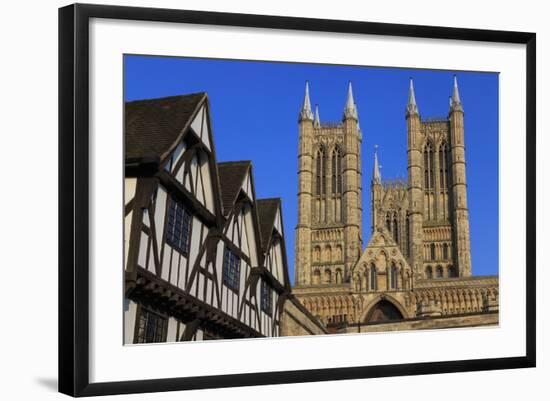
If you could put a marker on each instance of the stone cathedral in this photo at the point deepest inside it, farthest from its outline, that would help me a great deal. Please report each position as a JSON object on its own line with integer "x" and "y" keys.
{"x": 415, "y": 271}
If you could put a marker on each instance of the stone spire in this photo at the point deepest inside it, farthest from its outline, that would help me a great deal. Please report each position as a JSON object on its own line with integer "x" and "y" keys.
{"x": 412, "y": 108}
{"x": 350, "y": 111}
{"x": 317, "y": 120}
{"x": 376, "y": 177}
{"x": 305, "y": 113}
{"x": 456, "y": 104}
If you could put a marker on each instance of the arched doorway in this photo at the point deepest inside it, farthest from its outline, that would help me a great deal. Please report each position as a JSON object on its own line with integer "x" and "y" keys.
{"x": 384, "y": 311}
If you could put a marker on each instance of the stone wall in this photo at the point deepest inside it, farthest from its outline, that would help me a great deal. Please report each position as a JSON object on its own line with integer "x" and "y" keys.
{"x": 298, "y": 321}
{"x": 469, "y": 320}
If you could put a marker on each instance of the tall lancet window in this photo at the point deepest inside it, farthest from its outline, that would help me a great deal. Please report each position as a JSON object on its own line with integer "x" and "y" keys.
{"x": 428, "y": 166}
{"x": 388, "y": 222}
{"x": 336, "y": 171}
{"x": 408, "y": 235}
{"x": 395, "y": 231}
{"x": 432, "y": 251}
{"x": 443, "y": 166}
{"x": 393, "y": 277}
{"x": 373, "y": 278}
{"x": 319, "y": 169}
{"x": 325, "y": 172}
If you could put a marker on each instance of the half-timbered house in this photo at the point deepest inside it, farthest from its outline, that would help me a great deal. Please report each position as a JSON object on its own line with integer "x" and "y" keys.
{"x": 204, "y": 259}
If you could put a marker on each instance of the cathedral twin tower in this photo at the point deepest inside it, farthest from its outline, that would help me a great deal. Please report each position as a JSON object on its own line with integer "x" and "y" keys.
{"x": 426, "y": 217}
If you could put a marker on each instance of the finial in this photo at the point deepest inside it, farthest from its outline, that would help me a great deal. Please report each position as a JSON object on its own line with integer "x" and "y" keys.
{"x": 350, "y": 111}
{"x": 412, "y": 108}
{"x": 317, "y": 120}
{"x": 376, "y": 176}
{"x": 456, "y": 104}
{"x": 305, "y": 113}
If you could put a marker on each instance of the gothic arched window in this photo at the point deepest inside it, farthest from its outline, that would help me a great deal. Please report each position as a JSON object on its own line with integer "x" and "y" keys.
{"x": 451, "y": 272}
{"x": 319, "y": 169}
{"x": 429, "y": 273}
{"x": 328, "y": 277}
{"x": 395, "y": 231}
{"x": 317, "y": 254}
{"x": 328, "y": 254}
{"x": 445, "y": 251}
{"x": 432, "y": 251}
{"x": 439, "y": 272}
{"x": 338, "y": 253}
{"x": 325, "y": 172}
{"x": 339, "y": 276}
{"x": 316, "y": 277}
{"x": 407, "y": 235}
{"x": 388, "y": 222}
{"x": 428, "y": 166}
{"x": 336, "y": 171}
{"x": 373, "y": 284}
{"x": 393, "y": 277}
{"x": 443, "y": 166}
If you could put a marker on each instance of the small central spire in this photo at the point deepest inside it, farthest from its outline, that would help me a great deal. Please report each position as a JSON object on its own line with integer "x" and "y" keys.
{"x": 376, "y": 177}
{"x": 412, "y": 108}
{"x": 305, "y": 113}
{"x": 456, "y": 104}
{"x": 350, "y": 111}
{"x": 317, "y": 120}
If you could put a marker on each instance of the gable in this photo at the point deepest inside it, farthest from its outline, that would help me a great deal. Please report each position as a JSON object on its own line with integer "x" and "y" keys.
{"x": 200, "y": 127}
{"x": 247, "y": 186}
{"x": 381, "y": 250}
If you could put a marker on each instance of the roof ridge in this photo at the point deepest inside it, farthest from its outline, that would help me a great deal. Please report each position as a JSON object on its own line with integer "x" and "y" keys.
{"x": 236, "y": 162}
{"x": 165, "y": 97}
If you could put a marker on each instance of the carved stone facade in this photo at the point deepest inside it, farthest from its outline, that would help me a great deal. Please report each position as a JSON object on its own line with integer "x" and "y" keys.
{"x": 417, "y": 264}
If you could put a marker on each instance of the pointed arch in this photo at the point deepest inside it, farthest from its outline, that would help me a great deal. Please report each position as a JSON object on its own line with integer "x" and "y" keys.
{"x": 428, "y": 165}
{"x": 429, "y": 272}
{"x": 327, "y": 278}
{"x": 393, "y": 276}
{"x": 443, "y": 184}
{"x": 320, "y": 171}
{"x": 373, "y": 277}
{"x": 395, "y": 230}
{"x": 383, "y": 300}
{"x": 339, "y": 278}
{"x": 327, "y": 255}
{"x": 451, "y": 271}
{"x": 445, "y": 251}
{"x": 336, "y": 170}
{"x": 317, "y": 253}
{"x": 407, "y": 236}
{"x": 338, "y": 253}
{"x": 316, "y": 277}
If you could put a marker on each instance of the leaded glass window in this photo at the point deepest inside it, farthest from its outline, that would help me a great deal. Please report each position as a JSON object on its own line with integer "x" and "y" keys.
{"x": 178, "y": 229}
{"x": 152, "y": 327}
{"x": 231, "y": 269}
{"x": 267, "y": 297}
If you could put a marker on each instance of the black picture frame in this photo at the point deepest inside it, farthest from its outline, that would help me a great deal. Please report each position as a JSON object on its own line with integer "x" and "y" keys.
{"x": 74, "y": 201}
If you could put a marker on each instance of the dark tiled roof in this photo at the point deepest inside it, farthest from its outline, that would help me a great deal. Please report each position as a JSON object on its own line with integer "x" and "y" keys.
{"x": 267, "y": 208}
{"x": 231, "y": 175}
{"x": 153, "y": 125}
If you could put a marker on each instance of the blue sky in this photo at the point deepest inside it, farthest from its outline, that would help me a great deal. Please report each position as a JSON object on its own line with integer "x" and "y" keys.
{"x": 255, "y": 106}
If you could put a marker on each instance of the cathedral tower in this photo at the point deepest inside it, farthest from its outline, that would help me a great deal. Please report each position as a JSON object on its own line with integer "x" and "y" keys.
{"x": 328, "y": 234}
{"x": 438, "y": 212}
{"x": 302, "y": 254}
{"x": 459, "y": 198}
{"x": 415, "y": 142}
